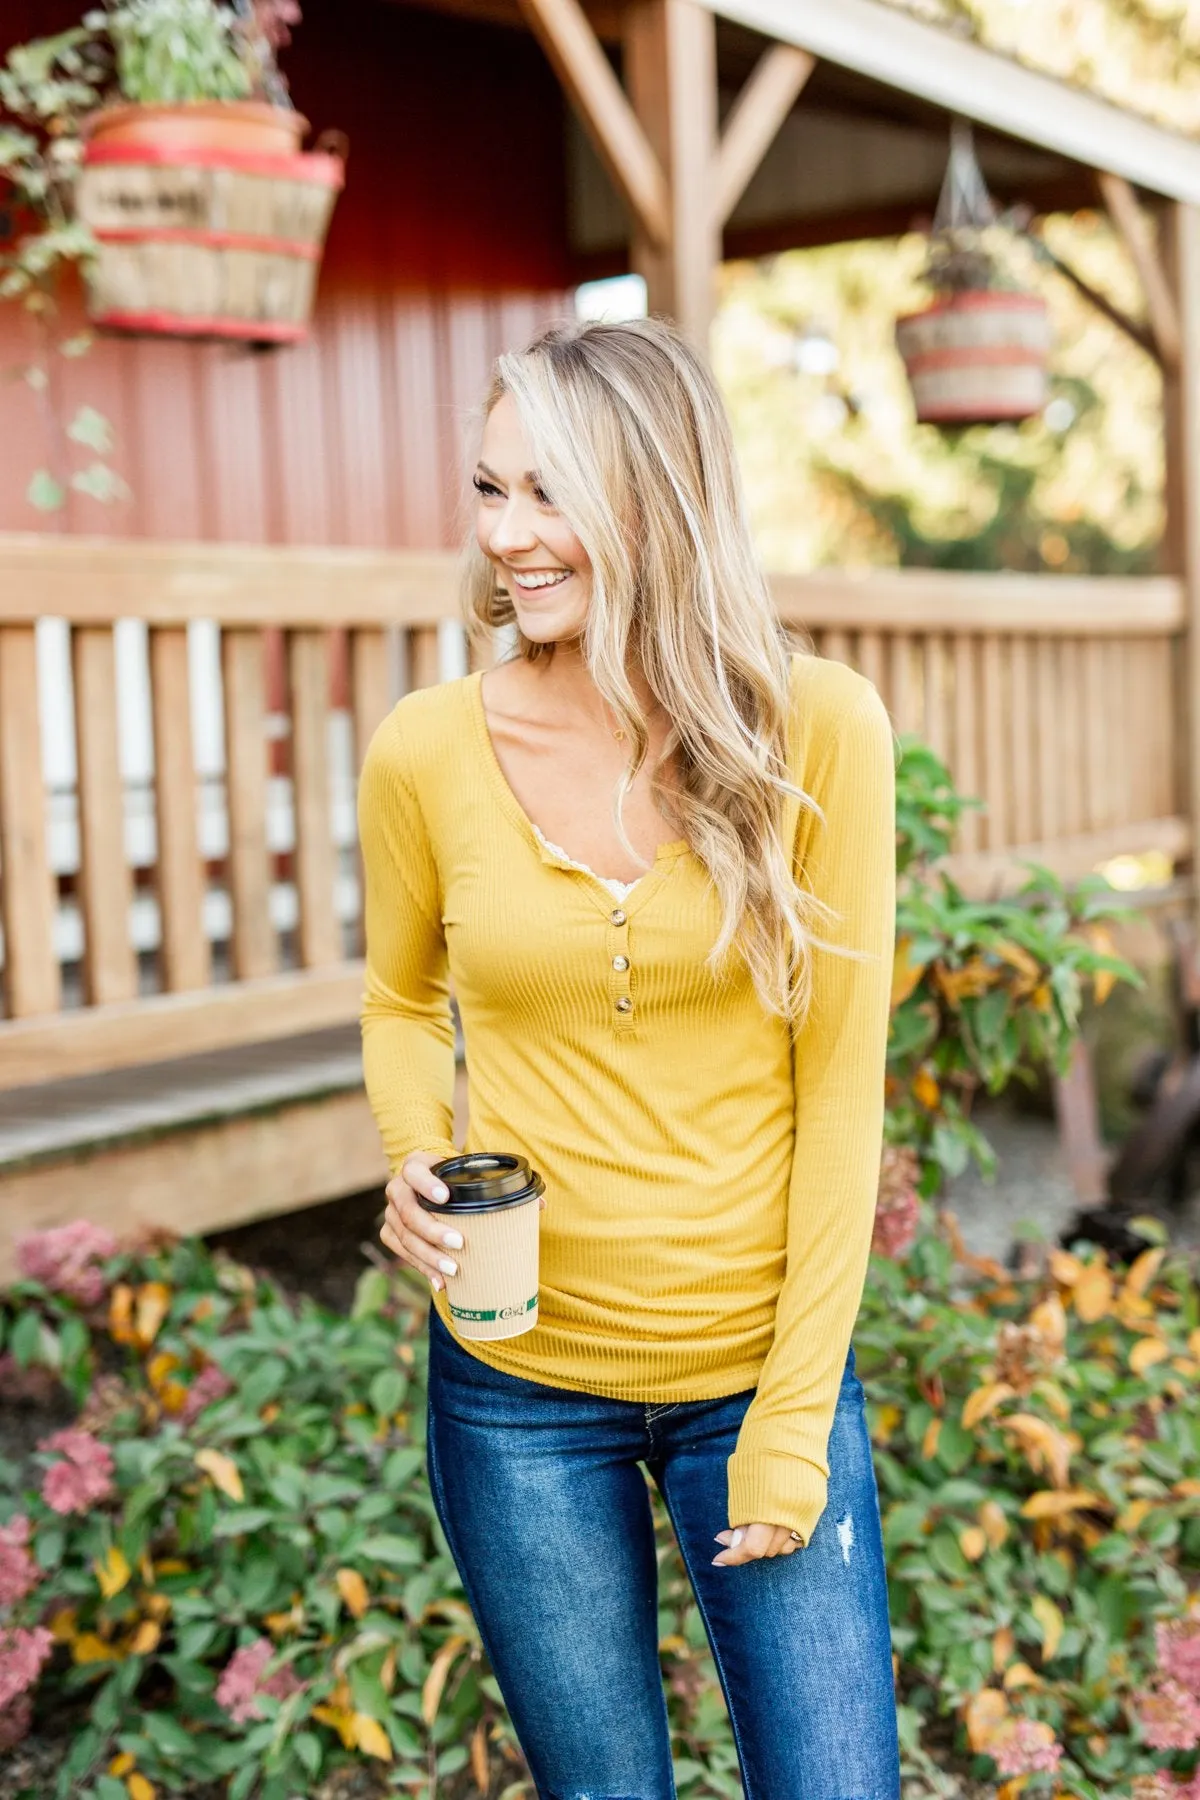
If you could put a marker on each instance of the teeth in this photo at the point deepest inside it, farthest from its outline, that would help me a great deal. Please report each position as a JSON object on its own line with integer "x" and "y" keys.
{"x": 541, "y": 581}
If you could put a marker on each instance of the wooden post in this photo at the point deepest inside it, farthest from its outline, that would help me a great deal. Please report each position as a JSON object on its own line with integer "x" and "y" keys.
{"x": 1181, "y": 539}
{"x": 670, "y": 53}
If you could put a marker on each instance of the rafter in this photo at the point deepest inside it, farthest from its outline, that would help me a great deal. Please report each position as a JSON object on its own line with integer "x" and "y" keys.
{"x": 769, "y": 94}
{"x": 1136, "y": 231}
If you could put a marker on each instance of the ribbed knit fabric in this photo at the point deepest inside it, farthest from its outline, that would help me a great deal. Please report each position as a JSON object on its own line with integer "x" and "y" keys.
{"x": 710, "y": 1187}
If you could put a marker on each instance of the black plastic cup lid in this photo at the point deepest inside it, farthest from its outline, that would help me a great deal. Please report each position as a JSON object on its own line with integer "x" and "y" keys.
{"x": 484, "y": 1181}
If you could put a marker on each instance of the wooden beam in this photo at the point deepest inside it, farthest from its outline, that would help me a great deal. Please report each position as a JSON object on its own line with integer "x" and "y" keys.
{"x": 765, "y": 101}
{"x": 1138, "y": 234}
{"x": 1181, "y": 539}
{"x": 918, "y": 600}
{"x": 981, "y": 873}
{"x": 576, "y": 55}
{"x": 670, "y": 53}
{"x": 876, "y": 39}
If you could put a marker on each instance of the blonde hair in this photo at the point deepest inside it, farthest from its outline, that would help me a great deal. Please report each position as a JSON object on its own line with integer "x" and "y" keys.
{"x": 633, "y": 444}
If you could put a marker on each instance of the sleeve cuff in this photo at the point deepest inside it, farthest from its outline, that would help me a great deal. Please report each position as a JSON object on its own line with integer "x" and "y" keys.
{"x": 769, "y": 1488}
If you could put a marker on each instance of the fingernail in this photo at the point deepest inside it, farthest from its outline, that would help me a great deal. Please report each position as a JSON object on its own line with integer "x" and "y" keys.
{"x": 446, "y": 1266}
{"x": 452, "y": 1240}
{"x": 435, "y": 1281}
{"x": 718, "y": 1564}
{"x": 737, "y": 1537}
{"x": 440, "y": 1192}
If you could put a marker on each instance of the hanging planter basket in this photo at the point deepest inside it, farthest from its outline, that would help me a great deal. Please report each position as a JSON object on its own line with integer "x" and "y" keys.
{"x": 977, "y": 357}
{"x": 979, "y": 354}
{"x": 210, "y": 220}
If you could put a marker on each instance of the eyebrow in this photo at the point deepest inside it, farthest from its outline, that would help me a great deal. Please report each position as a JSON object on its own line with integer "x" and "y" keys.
{"x": 531, "y": 475}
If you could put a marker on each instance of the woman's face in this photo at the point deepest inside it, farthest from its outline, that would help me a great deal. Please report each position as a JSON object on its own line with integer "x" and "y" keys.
{"x": 536, "y": 555}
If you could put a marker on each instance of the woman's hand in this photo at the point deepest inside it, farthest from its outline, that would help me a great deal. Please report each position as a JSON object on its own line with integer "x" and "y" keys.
{"x": 750, "y": 1542}
{"x": 416, "y": 1236}
{"x": 419, "y": 1237}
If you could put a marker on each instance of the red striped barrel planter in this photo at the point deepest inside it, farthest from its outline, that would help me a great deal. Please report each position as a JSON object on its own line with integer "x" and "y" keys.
{"x": 209, "y": 219}
{"x": 977, "y": 357}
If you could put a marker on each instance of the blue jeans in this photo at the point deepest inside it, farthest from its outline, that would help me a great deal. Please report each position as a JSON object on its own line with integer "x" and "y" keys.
{"x": 548, "y": 1519}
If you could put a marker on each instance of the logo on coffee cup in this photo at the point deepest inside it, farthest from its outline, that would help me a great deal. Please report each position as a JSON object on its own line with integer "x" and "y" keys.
{"x": 477, "y": 1315}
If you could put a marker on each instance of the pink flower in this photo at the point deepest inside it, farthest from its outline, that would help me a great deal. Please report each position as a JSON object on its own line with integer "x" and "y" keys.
{"x": 211, "y": 1384}
{"x": 84, "y": 1478}
{"x": 15, "y": 1720}
{"x": 1170, "y": 1716}
{"x": 242, "y": 1681}
{"x": 22, "y": 1654}
{"x": 19, "y": 1574}
{"x": 1028, "y": 1748}
{"x": 897, "y": 1209}
{"x": 1178, "y": 1648}
{"x": 66, "y": 1258}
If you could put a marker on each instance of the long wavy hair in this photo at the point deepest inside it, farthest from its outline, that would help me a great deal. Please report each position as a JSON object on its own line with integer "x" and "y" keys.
{"x": 633, "y": 445}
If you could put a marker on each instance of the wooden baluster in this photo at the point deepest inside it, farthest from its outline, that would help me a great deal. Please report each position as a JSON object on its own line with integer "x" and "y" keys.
{"x": 424, "y": 659}
{"x": 995, "y": 744}
{"x": 254, "y": 946}
{"x": 902, "y": 695}
{"x": 1049, "y": 739}
{"x": 1125, "y": 729}
{"x": 1098, "y": 727}
{"x": 320, "y": 937}
{"x": 1164, "y": 798}
{"x": 871, "y": 660}
{"x": 964, "y": 762}
{"x": 32, "y": 981}
{"x": 836, "y": 646}
{"x": 105, "y": 878}
{"x": 1072, "y": 748}
{"x": 186, "y": 961}
{"x": 1021, "y": 734}
{"x": 371, "y": 698}
{"x": 936, "y": 729}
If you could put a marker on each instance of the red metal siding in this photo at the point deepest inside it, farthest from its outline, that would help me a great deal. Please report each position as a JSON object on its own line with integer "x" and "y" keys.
{"x": 448, "y": 244}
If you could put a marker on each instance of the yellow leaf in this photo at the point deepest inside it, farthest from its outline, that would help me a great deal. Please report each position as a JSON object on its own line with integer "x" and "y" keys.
{"x": 1146, "y": 1352}
{"x": 1193, "y": 1342}
{"x": 435, "y": 1681}
{"x": 1052, "y": 1504}
{"x": 1093, "y": 1293}
{"x": 1185, "y": 1365}
{"x": 1143, "y": 1269}
{"x": 159, "y": 1367}
{"x": 926, "y": 1091}
{"x": 1054, "y": 1397}
{"x": 1049, "y": 1319}
{"x": 387, "y": 1671}
{"x": 224, "y": 1472}
{"x": 341, "y": 1719}
{"x": 353, "y": 1589}
{"x": 967, "y": 983}
{"x": 1003, "y": 1646}
{"x": 112, "y": 1572}
{"x": 1051, "y": 1621}
{"x": 1133, "y": 1515}
{"x": 140, "y": 1788}
{"x": 1188, "y": 1490}
{"x": 120, "y": 1314}
{"x": 984, "y": 1400}
{"x": 1044, "y": 1445}
{"x": 985, "y": 1712}
{"x": 145, "y": 1638}
{"x": 88, "y": 1648}
{"x": 972, "y": 1541}
{"x": 1020, "y": 959}
{"x": 153, "y": 1299}
{"x": 994, "y": 1521}
{"x": 1103, "y": 983}
{"x": 886, "y": 1421}
{"x": 929, "y": 1442}
{"x": 480, "y": 1766}
{"x": 905, "y": 972}
{"x": 371, "y": 1738}
{"x": 1020, "y": 1675}
{"x": 121, "y": 1764}
{"x": 61, "y": 1625}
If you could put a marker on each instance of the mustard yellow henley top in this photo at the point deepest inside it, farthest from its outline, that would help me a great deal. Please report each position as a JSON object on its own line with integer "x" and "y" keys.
{"x": 710, "y": 1184}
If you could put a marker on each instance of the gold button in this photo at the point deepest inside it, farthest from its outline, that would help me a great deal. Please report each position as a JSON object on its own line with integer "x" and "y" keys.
{"x": 617, "y": 916}
{"x": 625, "y": 1004}
{"x": 620, "y": 962}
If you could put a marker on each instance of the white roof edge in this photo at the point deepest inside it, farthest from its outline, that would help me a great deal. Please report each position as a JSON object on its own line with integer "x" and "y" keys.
{"x": 901, "y": 52}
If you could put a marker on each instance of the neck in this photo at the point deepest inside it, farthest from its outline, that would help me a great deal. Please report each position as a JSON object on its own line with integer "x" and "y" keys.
{"x": 567, "y": 678}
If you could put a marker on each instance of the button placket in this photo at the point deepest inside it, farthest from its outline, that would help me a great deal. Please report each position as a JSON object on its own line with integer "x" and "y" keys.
{"x": 619, "y": 970}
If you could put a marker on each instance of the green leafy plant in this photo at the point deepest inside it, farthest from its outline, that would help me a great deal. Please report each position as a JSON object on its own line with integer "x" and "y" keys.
{"x": 169, "y": 51}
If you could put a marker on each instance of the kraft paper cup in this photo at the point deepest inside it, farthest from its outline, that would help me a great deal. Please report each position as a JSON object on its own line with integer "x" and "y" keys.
{"x": 494, "y": 1204}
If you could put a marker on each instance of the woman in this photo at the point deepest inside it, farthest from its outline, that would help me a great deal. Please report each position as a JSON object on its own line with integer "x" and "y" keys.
{"x": 654, "y": 853}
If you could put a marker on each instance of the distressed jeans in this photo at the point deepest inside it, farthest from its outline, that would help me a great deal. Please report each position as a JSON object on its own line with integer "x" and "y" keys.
{"x": 547, "y": 1515}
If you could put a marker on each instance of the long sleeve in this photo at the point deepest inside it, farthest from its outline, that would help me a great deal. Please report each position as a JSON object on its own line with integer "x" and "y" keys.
{"x": 779, "y": 1471}
{"x": 407, "y": 1027}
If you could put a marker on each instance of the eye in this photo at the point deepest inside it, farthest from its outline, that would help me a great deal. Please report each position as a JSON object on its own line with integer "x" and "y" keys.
{"x": 542, "y": 497}
{"x": 488, "y": 489}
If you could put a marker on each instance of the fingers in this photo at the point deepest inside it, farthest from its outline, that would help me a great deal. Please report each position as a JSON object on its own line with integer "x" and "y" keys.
{"x": 751, "y": 1543}
{"x": 410, "y": 1232}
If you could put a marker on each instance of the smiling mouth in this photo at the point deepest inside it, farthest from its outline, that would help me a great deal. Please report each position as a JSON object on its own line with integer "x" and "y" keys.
{"x": 532, "y": 581}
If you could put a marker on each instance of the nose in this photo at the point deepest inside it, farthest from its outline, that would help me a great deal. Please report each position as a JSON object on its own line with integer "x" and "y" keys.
{"x": 513, "y": 528}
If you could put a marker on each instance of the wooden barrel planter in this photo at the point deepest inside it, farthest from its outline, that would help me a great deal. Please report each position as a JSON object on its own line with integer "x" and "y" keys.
{"x": 977, "y": 358}
{"x": 209, "y": 219}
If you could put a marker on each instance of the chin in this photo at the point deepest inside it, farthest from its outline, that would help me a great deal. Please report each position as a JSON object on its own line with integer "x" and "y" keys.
{"x": 549, "y": 626}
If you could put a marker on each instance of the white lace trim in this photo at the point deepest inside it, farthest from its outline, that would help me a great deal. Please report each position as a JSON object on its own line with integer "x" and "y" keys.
{"x": 620, "y": 890}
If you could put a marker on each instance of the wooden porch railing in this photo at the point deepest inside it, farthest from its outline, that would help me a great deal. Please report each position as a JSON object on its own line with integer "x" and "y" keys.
{"x": 197, "y": 909}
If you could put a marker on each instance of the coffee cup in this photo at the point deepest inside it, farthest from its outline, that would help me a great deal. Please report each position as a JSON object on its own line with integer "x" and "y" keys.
{"x": 493, "y": 1198}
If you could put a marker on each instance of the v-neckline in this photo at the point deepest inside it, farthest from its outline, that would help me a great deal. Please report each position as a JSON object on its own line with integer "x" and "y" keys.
{"x": 664, "y": 856}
